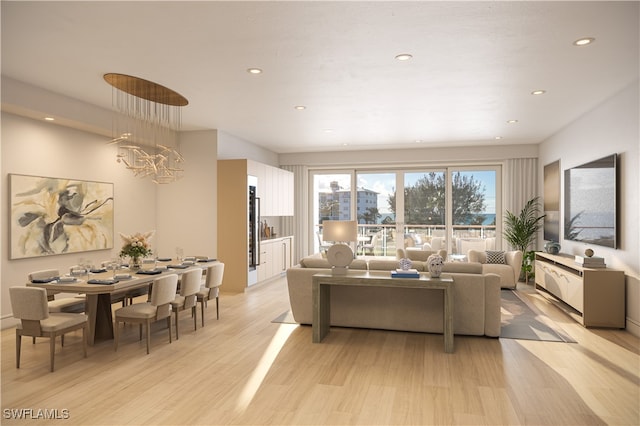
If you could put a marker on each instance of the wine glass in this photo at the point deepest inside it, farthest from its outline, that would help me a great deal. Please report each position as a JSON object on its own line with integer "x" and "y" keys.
{"x": 113, "y": 265}
{"x": 179, "y": 254}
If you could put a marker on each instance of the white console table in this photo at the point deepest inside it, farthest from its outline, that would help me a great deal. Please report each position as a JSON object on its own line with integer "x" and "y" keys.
{"x": 596, "y": 294}
{"x": 322, "y": 291}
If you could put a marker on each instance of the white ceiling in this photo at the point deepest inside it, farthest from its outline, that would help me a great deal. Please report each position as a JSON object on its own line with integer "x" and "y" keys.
{"x": 474, "y": 65}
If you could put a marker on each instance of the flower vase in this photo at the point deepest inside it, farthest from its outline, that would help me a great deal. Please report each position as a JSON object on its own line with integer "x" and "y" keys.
{"x": 136, "y": 264}
{"x": 434, "y": 265}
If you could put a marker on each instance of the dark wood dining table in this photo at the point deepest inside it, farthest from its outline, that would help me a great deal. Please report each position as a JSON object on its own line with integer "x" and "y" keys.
{"x": 98, "y": 296}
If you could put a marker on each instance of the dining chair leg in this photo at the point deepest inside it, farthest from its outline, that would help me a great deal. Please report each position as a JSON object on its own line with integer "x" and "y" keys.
{"x": 169, "y": 327}
{"x": 148, "y": 335}
{"x": 116, "y": 336}
{"x": 177, "y": 335}
{"x": 195, "y": 317}
{"x": 84, "y": 339}
{"x": 52, "y": 350}
{"x": 217, "y": 309}
{"x": 202, "y": 311}
{"x": 18, "y": 344}
{"x": 140, "y": 329}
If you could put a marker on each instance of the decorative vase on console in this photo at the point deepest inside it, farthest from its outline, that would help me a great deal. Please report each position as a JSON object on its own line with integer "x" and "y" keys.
{"x": 434, "y": 265}
{"x": 405, "y": 264}
{"x": 552, "y": 247}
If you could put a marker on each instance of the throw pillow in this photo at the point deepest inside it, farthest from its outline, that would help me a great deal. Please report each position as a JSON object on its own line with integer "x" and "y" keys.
{"x": 495, "y": 257}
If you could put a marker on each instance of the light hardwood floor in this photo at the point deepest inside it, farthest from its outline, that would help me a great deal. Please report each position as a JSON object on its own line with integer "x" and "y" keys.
{"x": 244, "y": 369}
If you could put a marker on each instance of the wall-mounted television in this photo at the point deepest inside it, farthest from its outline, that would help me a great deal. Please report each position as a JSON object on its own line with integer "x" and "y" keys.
{"x": 591, "y": 202}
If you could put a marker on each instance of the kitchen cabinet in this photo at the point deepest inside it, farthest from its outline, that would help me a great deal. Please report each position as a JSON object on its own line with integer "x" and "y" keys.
{"x": 275, "y": 189}
{"x": 274, "y": 186}
{"x": 276, "y": 257}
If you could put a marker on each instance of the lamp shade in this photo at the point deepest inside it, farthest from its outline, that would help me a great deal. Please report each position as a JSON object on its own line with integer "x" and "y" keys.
{"x": 340, "y": 230}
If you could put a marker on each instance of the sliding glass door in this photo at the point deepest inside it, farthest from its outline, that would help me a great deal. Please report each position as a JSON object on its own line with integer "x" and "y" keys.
{"x": 450, "y": 208}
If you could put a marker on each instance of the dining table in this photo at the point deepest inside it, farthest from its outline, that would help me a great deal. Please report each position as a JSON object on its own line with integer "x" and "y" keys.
{"x": 101, "y": 285}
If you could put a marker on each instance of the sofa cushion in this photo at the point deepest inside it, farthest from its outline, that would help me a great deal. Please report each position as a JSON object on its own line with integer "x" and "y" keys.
{"x": 420, "y": 255}
{"x": 391, "y": 265}
{"x": 462, "y": 267}
{"x": 316, "y": 262}
{"x": 495, "y": 256}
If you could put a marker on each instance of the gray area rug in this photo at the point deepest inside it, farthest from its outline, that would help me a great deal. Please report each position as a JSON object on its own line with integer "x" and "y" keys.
{"x": 520, "y": 320}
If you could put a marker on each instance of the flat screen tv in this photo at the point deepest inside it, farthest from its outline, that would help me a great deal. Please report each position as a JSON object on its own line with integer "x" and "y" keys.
{"x": 591, "y": 201}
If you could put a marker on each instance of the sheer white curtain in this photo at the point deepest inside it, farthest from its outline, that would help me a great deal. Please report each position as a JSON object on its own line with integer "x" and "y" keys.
{"x": 298, "y": 224}
{"x": 520, "y": 183}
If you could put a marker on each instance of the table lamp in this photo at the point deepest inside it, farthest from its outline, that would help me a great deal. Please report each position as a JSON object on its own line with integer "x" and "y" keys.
{"x": 340, "y": 255}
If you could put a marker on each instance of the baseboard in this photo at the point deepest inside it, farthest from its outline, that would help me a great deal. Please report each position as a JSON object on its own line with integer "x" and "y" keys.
{"x": 633, "y": 327}
{"x": 8, "y": 321}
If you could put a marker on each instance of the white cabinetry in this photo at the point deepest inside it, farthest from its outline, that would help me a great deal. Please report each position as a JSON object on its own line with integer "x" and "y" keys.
{"x": 275, "y": 257}
{"x": 275, "y": 189}
{"x": 597, "y": 294}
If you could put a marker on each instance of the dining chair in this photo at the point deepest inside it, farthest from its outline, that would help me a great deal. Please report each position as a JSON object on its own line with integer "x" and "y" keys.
{"x": 29, "y": 305}
{"x": 370, "y": 246}
{"x": 158, "y": 308}
{"x": 186, "y": 299}
{"x": 74, "y": 304}
{"x": 211, "y": 288}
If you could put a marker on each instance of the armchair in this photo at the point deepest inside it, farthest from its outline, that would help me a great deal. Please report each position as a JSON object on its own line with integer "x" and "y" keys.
{"x": 509, "y": 271}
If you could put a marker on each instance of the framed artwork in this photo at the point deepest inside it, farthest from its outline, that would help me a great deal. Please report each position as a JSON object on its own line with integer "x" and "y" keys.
{"x": 552, "y": 201}
{"x": 52, "y": 216}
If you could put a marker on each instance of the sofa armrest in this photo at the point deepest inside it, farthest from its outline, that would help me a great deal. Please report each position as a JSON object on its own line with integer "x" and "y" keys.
{"x": 514, "y": 259}
{"x": 492, "y": 308}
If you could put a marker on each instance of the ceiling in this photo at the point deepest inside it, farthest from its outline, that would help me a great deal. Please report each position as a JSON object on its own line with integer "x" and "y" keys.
{"x": 473, "y": 69}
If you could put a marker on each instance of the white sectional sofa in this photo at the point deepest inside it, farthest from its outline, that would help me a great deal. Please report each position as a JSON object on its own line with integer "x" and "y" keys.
{"x": 476, "y": 300}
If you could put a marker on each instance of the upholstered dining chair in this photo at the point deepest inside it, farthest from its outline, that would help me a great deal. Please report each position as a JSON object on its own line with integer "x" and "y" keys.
{"x": 29, "y": 305}
{"x": 186, "y": 299}
{"x": 159, "y": 307}
{"x": 211, "y": 288}
{"x": 67, "y": 304}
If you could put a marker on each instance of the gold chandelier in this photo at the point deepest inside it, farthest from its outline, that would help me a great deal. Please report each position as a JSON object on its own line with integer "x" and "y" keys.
{"x": 146, "y": 122}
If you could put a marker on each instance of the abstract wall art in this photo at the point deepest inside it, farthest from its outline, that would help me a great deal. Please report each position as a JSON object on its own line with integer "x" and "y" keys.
{"x": 52, "y": 216}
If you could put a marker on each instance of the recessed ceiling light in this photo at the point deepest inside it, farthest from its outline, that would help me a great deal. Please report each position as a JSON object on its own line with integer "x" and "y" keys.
{"x": 584, "y": 41}
{"x": 538, "y": 92}
{"x": 498, "y": 138}
{"x": 419, "y": 141}
{"x": 404, "y": 56}
{"x": 328, "y": 130}
{"x": 254, "y": 71}
{"x": 512, "y": 121}
{"x": 300, "y": 107}
{"x": 49, "y": 119}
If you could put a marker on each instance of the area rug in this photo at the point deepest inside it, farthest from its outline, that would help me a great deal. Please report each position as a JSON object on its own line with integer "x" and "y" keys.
{"x": 521, "y": 320}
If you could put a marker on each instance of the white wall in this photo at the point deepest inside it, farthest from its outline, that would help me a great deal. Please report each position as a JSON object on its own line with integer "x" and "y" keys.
{"x": 188, "y": 209}
{"x": 610, "y": 128}
{"x": 184, "y": 212}
{"x": 42, "y": 149}
{"x": 233, "y": 148}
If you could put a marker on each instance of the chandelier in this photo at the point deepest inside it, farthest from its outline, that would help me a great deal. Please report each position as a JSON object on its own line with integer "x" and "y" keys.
{"x": 145, "y": 126}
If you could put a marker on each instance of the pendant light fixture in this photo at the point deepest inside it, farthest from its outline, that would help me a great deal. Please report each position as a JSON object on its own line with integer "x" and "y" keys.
{"x": 146, "y": 124}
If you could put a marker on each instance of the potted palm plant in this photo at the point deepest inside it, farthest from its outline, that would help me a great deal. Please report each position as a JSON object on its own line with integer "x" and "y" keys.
{"x": 520, "y": 232}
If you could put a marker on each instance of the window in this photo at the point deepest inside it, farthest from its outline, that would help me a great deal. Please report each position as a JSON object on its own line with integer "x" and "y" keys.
{"x": 452, "y": 208}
